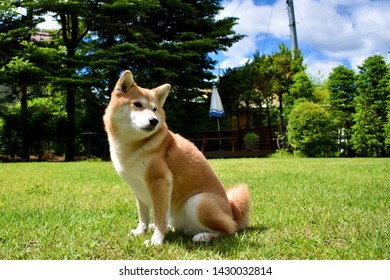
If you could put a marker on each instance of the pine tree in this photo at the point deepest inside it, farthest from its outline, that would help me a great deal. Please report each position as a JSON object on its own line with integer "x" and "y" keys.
{"x": 342, "y": 92}
{"x": 301, "y": 88}
{"x": 18, "y": 22}
{"x": 75, "y": 18}
{"x": 162, "y": 41}
{"x": 371, "y": 107}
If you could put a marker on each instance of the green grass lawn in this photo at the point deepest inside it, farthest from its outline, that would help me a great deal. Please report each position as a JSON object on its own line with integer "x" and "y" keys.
{"x": 301, "y": 209}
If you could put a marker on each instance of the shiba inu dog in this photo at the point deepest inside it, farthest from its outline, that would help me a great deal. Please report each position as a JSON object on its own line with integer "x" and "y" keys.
{"x": 166, "y": 172}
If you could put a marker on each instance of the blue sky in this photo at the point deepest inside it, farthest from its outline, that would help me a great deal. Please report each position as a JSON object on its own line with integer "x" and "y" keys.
{"x": 330, "y": 32}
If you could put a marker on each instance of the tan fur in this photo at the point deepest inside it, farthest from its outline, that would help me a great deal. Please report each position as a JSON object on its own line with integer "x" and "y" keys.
{"x": 167, "y": 173}
{"x": 239, "y": 202}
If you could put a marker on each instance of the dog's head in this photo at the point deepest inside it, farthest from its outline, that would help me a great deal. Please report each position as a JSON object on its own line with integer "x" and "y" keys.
{"x": 135, "y": 109}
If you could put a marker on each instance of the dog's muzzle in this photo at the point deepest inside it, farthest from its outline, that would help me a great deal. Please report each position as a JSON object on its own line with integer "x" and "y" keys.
{"x": 153, "y": 122}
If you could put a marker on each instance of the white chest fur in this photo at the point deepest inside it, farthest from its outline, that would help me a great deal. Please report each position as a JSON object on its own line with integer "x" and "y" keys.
{"x": 132, "y": 168}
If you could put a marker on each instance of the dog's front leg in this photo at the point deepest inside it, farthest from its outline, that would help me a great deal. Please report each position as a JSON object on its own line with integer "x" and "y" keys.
{"x": 143, "y": 216}
{"x": 161, "y": 196}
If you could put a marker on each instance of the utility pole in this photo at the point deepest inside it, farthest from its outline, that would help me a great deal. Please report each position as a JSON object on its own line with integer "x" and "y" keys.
{"x": 292, "y": 24}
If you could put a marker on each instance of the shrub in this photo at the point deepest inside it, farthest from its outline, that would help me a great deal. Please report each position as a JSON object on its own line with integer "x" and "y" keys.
{"x": 45, "y": 127}
{"x": 310, "y": 130}
{"x": 251, "y": 136}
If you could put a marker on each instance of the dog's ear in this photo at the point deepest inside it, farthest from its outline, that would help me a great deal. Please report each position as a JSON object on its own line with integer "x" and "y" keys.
{"x": 162, "y": 93}
{"x": 124, "y": 83}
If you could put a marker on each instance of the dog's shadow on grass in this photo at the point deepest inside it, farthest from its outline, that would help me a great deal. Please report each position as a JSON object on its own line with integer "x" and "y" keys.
{"x": 226, "y": 246}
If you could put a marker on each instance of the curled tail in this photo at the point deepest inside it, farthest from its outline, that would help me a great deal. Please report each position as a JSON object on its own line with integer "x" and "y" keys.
{"x": 238, "y": 197}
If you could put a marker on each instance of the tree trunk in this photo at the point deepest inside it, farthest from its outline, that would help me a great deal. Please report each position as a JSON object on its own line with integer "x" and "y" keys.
{"x": 281, "y": 112}
{"x": 248, "y": 123}
{"x": 71, "y": 37}
{"x": 71, "y": 108}
{"x": 269, "y": 127}
{"x": 71, "y": 126}
{"x": 23, "y": 102}
{"x": 24, "y": 125}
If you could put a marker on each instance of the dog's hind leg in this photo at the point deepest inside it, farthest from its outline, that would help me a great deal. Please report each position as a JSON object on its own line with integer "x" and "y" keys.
{"x": 211, "y": 216}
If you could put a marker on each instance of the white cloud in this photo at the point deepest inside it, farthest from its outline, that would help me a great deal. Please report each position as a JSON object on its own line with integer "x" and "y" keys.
{"x": 49, "y": 24}
{"x": 330, "y": 32}
{"x": 319, "y": 68}
{"x": 252, "y": 22}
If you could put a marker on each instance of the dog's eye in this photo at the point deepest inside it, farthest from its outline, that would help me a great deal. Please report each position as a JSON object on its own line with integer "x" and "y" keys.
{"x": 137, "y": 104}
{"x": 154, "y": 109}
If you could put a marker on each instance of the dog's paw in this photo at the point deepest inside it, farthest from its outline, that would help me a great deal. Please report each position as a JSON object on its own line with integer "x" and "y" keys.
{"x": 141, "y": 229}
{"x": 169, "y": 227}
{"x": 157, "y": 238}
{"x": 204, "y": 236}
{"x": 136, "y": 232}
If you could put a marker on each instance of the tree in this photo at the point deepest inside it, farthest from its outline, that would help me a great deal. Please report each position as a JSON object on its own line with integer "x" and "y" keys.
{"x": 230, "y": 86}
{"x": 285, "y": 66}
{"x": 387, "y": 128}
{"x": 182, "y": 33}
{"x": 310, "y": 130}
{"x": 17, "y": 25}
{"x": 161, "y": 41}
{"x": 114, "y": 43}
{"x": 103, "y": 38}
{"x": 301, "y": 88}
{"x": 10, "y": 132}
{"x": 44, "y": 126}
{"x": 264, "y": 81}
{"x": 342, "y": 92}
{"x": 387, "y": 125}
{"x": 75, "y": 18}
{"x": 371, "y": 107}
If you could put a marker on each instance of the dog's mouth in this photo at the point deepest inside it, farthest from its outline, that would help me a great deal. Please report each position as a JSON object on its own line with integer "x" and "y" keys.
{"x": 149, "y": 128}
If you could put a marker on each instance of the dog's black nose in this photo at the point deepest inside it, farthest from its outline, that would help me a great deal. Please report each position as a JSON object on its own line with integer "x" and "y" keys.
{"x": 153, "y": 122}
